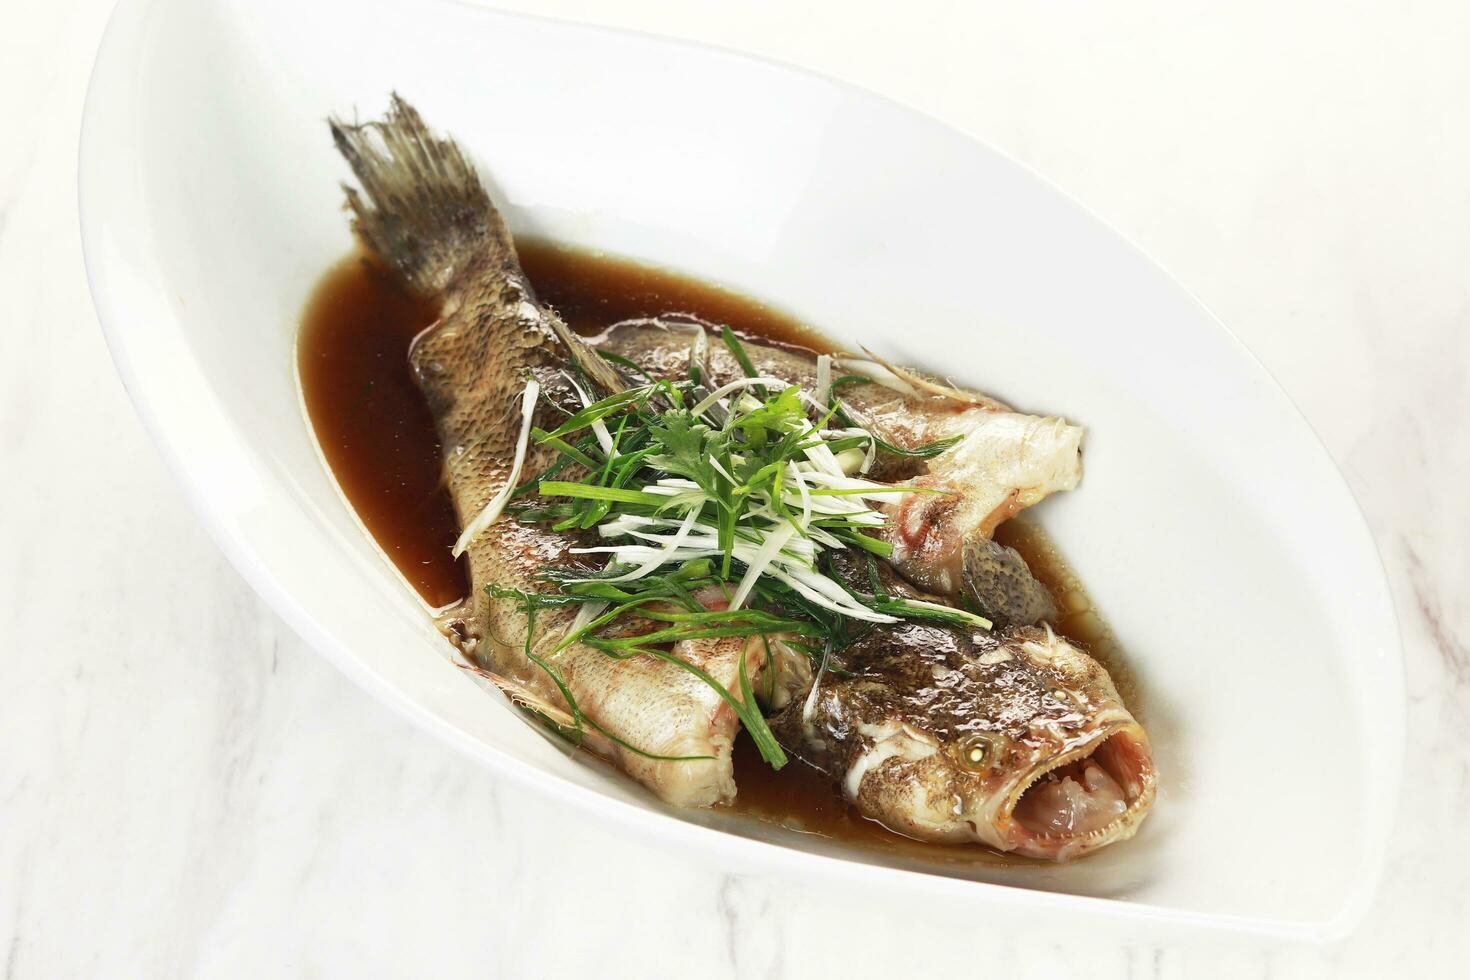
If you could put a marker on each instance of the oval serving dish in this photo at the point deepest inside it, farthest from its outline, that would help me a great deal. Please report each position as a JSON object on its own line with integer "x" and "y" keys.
{"x": 1211, "y": 526}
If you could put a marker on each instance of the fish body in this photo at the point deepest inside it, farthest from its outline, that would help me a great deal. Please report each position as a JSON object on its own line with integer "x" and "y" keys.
{"x": 424, "y": 213}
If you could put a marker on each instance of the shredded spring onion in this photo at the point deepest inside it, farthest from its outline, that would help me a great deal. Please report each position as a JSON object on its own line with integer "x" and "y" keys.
{"x": 718, "y": 395}
{"x": 719, "y": 511}
{"x": 492, "y": 510}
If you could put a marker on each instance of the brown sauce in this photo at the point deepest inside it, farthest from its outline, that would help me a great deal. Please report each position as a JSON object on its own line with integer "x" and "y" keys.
{"x": 379, "y": 441}
{"x": 373, "y": 425}
{"x": 591, "y": 291}
{"x": 1078, "y": 619}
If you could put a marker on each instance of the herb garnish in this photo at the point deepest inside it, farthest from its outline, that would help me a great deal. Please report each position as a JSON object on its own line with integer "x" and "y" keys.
{"x": 720, "y": 509}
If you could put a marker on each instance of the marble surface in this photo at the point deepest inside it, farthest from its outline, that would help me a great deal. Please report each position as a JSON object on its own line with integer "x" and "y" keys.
{"x": 187, "y": 789}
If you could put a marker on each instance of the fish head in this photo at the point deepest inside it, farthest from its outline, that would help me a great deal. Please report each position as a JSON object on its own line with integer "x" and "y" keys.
{"x": 1017, "y": 740}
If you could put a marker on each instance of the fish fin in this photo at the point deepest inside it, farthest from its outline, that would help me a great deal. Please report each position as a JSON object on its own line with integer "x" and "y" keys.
{"x": 457, "y": 624}
{"x": 522, "y": 696}
{"x": 998, "y": 581}
{"x": 933, "y": 387}
{"x": 597, "y": 368}
{"x": 424, "y": 201}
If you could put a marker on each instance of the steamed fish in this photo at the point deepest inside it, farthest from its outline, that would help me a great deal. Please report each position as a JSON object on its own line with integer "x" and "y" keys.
{"x": 929, "y": 721}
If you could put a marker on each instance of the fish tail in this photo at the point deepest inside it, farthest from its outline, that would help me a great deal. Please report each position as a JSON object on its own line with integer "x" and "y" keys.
{"x": 424, "y": 202}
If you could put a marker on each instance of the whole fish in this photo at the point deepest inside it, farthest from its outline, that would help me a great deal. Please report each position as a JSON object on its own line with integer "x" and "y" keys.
{"x": 1003, "y": 462}
{"x": 424, "y": 213}
{"x": 1015, "y": 739}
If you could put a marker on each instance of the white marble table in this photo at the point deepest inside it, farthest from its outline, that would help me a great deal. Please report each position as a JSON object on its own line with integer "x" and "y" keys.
{"x": 186, "y": 789}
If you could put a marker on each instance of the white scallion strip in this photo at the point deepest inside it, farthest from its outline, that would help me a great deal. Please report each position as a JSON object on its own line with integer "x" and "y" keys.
{"x": 870, "y": 454}
{"x": 663, "y": 554}
{"x": 699, "y": 350}
{"x": 585, "y": 614}
{"x": 599, "y": 427}
{"x": 825, "y": 460}
{"x": 715, "y": 465}
{"x": 824, "y": 539}
{"x": 604, "y": 437}
{"x": 851, "y": 460}
{"x": 795, "y": 571}
{"x": 842, "y": 481}
{"x": 806, "y": 497}
{"x": 492, "y": 510}
{"x": 824, "y": 379}
{"x": 771, "y": 547}
{"x": 979, "y": 621}
{"x": 713, "y": 398}
{"x": 808, "y": 584}
{"x": 809, "y": 707}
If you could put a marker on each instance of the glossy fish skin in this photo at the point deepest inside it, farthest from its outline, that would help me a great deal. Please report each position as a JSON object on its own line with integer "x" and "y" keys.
{"x": 896, "y": 718}
{"x": 937, "y": 733}
{"x": 1006, "y": 461}
{"x": 425, "y": 214}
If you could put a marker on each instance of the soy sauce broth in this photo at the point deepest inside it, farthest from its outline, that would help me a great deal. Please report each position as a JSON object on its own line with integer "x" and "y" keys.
{"x": 378, "y": 438}
{"x": 373, "y": 424}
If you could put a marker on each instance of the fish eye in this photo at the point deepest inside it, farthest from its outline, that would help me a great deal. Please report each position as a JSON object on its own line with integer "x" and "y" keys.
{"x": 978, "y": 751}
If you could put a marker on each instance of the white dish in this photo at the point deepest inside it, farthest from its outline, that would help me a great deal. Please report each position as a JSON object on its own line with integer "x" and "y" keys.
{"x": 1211, "y": 525}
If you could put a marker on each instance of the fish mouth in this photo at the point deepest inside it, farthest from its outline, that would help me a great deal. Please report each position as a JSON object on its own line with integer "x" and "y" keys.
{"x": 1093, "y": 795}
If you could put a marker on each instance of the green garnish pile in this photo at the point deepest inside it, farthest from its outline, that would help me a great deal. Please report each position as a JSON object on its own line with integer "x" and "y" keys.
{"x": 719, "y": 510}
